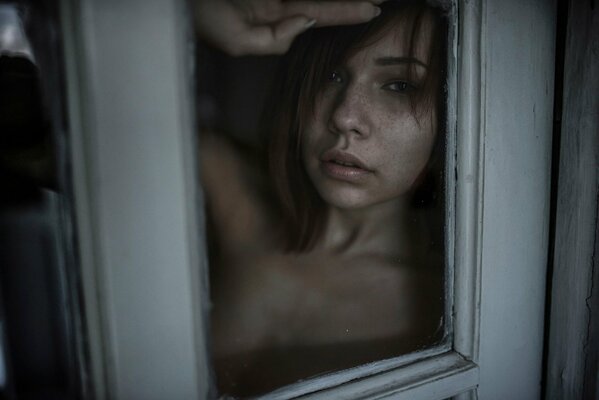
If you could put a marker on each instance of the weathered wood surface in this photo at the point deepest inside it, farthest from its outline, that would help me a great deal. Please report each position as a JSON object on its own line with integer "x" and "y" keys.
{"x": 518, "y": 79}
{"x": 573, "y": 347}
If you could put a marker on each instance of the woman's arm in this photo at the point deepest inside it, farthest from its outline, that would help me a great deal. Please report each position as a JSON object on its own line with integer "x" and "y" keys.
{"x": 254, "y": 27}
{"x": 232, "y": 186}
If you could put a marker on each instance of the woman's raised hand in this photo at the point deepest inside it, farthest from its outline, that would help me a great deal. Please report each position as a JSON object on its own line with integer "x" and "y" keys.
{"x": 254, "y": 27}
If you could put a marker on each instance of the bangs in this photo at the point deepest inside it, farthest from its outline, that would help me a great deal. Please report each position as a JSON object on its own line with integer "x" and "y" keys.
{"x": 413, "y": 22}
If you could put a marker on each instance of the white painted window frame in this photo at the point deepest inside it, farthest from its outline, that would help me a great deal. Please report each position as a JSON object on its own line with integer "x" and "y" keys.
{"x": 140, "y": 225}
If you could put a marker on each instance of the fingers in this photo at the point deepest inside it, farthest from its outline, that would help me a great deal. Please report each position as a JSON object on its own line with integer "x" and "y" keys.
{"x": 244, "y": 27}
{"x": 334, "y": 12}
{"x": 276, "y": 39}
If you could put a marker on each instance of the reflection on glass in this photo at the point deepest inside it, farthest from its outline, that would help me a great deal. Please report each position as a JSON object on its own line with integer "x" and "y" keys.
{"x": 326, "y": 226}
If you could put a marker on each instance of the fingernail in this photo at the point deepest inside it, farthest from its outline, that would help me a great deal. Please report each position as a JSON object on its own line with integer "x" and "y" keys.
{"x": 310, "y": 24}
{"x": 377, "y": 11}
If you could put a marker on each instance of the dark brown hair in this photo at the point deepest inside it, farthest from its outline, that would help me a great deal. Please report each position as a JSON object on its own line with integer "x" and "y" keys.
{"x": 301, "y": 75}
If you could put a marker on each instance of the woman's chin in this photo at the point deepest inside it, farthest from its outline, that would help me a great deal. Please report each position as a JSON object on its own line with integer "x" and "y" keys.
{"x": 345, "y": 200}
{"x": 357, "y": 199}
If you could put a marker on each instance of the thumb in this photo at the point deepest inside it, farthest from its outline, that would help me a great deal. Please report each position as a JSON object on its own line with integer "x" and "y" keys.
{"x": 288, "y": 29}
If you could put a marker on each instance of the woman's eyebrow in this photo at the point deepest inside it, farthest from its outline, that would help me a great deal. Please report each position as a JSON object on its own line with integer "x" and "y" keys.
{"x": 384, "y": 61}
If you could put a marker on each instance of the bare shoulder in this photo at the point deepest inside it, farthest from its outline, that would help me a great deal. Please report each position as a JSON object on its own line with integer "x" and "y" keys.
{"x": 422, "y": 286}
{"x": 286, "y": 299}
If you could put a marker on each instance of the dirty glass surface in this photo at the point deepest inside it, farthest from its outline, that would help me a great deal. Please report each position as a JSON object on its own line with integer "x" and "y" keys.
{"x": 324, "y": 177}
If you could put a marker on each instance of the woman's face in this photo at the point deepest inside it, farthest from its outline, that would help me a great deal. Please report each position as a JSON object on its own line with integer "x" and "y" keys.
{"x": 363, "y": 145}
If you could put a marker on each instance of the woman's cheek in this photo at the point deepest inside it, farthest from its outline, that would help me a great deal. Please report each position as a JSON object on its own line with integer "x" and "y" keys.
{"x": 409, "y": 151}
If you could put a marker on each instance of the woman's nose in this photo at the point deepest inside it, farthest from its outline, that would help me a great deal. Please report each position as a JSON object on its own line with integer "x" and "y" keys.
{"x": 349, "y": 113}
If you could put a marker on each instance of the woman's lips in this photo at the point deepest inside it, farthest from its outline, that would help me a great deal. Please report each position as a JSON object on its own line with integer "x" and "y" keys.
{"x": 343, "y": 166}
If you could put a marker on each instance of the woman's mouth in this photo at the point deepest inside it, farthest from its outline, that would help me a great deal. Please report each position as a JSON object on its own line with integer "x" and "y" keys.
{"x": 337, "y": 164}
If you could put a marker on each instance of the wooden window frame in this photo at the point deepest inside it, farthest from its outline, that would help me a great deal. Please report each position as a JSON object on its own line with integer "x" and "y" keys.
{"x": 140, "y": 227}
{"x": 573, "y": 348}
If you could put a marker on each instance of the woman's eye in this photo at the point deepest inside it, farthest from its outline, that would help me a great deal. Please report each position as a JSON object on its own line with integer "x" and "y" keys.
{"x": 399, "y": 86}
{"x": 335, "y": 77}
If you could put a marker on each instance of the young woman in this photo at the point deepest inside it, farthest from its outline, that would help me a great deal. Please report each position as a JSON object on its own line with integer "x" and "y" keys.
{"x": 325, "y": 258}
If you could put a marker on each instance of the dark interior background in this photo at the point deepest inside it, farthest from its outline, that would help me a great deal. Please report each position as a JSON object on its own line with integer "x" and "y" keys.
{"x": 41, "y": 331}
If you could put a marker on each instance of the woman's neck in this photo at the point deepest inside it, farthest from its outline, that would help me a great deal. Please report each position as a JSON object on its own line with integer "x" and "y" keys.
{"x": 377, "y": 229}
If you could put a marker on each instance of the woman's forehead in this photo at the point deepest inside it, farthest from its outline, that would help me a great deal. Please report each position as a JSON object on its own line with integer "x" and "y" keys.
{"x": 398, "y": 41}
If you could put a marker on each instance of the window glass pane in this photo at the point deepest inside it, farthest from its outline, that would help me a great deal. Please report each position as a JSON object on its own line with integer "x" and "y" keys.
{"x": 324, "y": 177}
